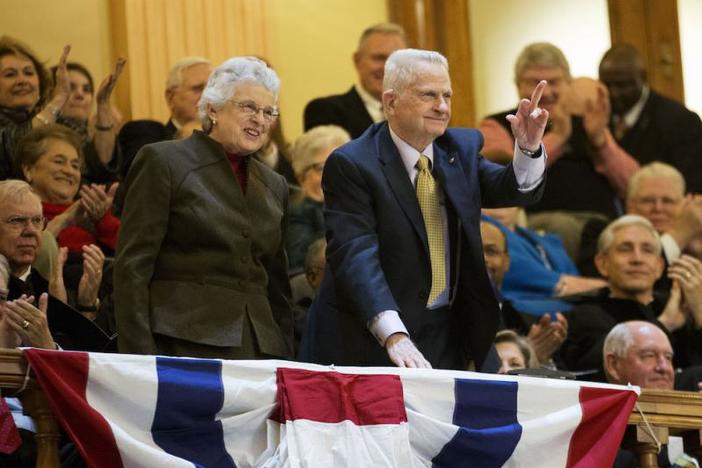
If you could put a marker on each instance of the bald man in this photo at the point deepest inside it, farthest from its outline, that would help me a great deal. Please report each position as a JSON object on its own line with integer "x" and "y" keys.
{"x": 647, "y": 125}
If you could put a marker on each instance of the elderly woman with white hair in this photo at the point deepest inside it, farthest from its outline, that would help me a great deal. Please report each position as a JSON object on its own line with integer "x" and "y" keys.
{"x": 310, "y": 152}
{"x": 200, "y": 268}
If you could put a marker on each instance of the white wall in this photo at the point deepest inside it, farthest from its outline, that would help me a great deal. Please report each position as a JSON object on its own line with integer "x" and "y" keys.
{"x": 690, "y": 19}
{"x": 501, "y": 29}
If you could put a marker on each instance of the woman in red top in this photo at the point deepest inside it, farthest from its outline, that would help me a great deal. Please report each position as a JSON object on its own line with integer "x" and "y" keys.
{"x": 51, "y": 162}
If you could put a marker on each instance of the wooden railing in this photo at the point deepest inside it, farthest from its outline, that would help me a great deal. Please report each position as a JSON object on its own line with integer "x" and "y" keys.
{"x": 666, "y": 413}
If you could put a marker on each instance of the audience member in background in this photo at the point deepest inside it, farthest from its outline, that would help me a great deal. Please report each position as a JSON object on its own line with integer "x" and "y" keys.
{"x": 186, "y": 80}
{"x": 360, "y": 106}
{"x": 51, "y": 160}
{"x": 629, "y": 257}
{"x": 657, "y": 192}
{"x": 306, "y": 222}
{"x": 305, "y": 287}
{"x": 25, "y": 99}
{"x": 201, "y": 268}
{"x": 99, "y": 131}
{"x": 546, "y": 335}
{"x": 648, "y": 125}
{"x": 639, "y": 353}
{"x": 514, "y": 352}
{"x": 21, "y": 222}
{"x": 587, "y": 171}
{"x": 275, "y": 153}
{"x": 540, "y": 269}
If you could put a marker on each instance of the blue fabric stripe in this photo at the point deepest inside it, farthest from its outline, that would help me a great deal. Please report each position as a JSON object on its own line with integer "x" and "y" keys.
{"x": 486, "y": 412}
{"x": 190, "y": 394}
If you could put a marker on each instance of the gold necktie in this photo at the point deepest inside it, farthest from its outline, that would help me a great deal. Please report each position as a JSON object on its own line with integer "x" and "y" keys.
{"x": 428, "y": 197}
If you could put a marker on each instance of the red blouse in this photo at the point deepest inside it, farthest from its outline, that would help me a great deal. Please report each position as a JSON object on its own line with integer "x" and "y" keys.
{"x": 75, "y": 237}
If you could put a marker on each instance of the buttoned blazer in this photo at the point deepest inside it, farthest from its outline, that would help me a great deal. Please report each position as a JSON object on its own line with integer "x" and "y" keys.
{"x": 377, "y": 254}
{"x": 196, "y": 254}
{"x": 345, "y": 110}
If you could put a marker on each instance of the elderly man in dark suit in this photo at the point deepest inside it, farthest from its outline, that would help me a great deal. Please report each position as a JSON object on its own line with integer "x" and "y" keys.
{"x": 406, "y": 281}
{"x": 360, "y": 106}
{"x": 648, "y": 125}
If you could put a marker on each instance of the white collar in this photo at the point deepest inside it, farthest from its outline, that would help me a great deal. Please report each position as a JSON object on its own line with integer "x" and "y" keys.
{"x": 409, "y": 155}
{"x": 633, "y": 114}
{"x": 366, "y": 97}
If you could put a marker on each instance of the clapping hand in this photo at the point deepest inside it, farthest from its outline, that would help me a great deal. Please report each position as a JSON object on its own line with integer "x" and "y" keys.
{"x": 529, "y": 122}
{"x": 89, "y": 284}
{"x": 29, "y": 322}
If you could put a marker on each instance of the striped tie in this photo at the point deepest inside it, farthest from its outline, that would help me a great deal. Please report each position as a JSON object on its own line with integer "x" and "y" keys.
{"x": 428, "y": 197}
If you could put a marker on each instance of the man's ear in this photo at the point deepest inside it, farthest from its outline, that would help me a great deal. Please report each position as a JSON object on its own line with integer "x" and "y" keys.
{"x": 211, "y": 112}
{"x": 612, "y": 369}
{"x": 27, "y": 172}
{"x": 601, "y": 261}
{"x": 389, "y": 98}
{"x": 356, "y": 58}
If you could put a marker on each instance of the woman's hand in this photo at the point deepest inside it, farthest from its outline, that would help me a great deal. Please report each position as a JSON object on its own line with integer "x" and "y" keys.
{"x": 68, "y": 218}
{"x": 62, "y": 86}
{"x": 30, "y": 322}
{"x": 96, "y": 201}
{"x": 108, "y": 84}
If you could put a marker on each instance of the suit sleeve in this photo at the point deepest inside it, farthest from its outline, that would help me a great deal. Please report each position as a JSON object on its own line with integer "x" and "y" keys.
{"x": 144, "y": 226}
{"x": 353, "y": 248}
{"x": 321, "y": 112}
{"x": 499, "y": 186}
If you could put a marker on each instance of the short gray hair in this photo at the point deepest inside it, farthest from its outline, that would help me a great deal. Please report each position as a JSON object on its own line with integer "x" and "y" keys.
{"x": 226, "y": 77}
{"x": 382, "y": 28}
{"x": 401, "y": 67}
{"x": 310, "y": 143}
{"x": 540, "y": 55}
{"x": 606, "y": 238}
{"x": 619, "y": 340}
{"x": 13, "y": 191}
{"x": 655, "y": 170}
{"x": 175, "y": 74}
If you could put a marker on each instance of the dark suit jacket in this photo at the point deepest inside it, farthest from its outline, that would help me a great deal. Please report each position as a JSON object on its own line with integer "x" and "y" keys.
{"x": 378, "y": 255}
{"x": 196, "y": 255}
{"x": 667, "y": 131}
{"x": 345, "y": 110}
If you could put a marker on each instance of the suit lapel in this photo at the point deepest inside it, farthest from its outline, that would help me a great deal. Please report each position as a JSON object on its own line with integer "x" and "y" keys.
{"x": 450, "y": 175}
{"x": 399, "y": 182}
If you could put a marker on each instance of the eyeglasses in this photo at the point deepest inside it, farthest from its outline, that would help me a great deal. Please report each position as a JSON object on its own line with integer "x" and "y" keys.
{"x": 492, "y": 252}
{"x": 19, "y": 223}
{"x": 250, "y": 108}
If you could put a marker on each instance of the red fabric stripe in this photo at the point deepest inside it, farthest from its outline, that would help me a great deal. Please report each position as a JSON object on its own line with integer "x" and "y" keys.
{"x": 332, "y": 397}
{"x": 605, "y": 415}
{"x": 9, "y": 435}
{"x": 63, "y": 375}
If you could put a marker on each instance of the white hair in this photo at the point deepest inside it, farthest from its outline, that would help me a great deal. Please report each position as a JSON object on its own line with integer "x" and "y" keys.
{"x": 655, "y": 170}
{"x": 607, "y": 236}
{"x": 310, "y": 143}
{"x": 175, "y": 74}
{"x": 401, "y": 67}
{"x": 619, "y": 340}
{"x": 226, "y": 77}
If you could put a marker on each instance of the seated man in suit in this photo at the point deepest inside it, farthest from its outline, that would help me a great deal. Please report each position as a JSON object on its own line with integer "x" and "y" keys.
{"x": 544, "y": 335}
{"x": 648, "y": 125}
{"x": 360, "y": 106}
{"x": 639, "y": 353}
{"x": 406, "y": 281}
{"x": 587, "y": 170}
{"x": 629, "y": 257}
{"x": 657, "y": 192}
{"x": 186, "y": 80}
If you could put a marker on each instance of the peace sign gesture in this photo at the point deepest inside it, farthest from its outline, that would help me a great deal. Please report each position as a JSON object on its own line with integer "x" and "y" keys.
{"x": 529, "y": 122}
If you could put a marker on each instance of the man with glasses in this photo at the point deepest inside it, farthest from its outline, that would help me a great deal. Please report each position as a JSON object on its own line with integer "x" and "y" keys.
{"x": 186, "y": 80}
{"x": 587, "y": 171}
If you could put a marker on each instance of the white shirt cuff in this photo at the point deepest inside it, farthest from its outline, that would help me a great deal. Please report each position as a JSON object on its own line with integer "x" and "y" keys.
{"x": 385, "y": 324}
{"x": 671, "y": 249}
{"x": 528, "y": 171}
